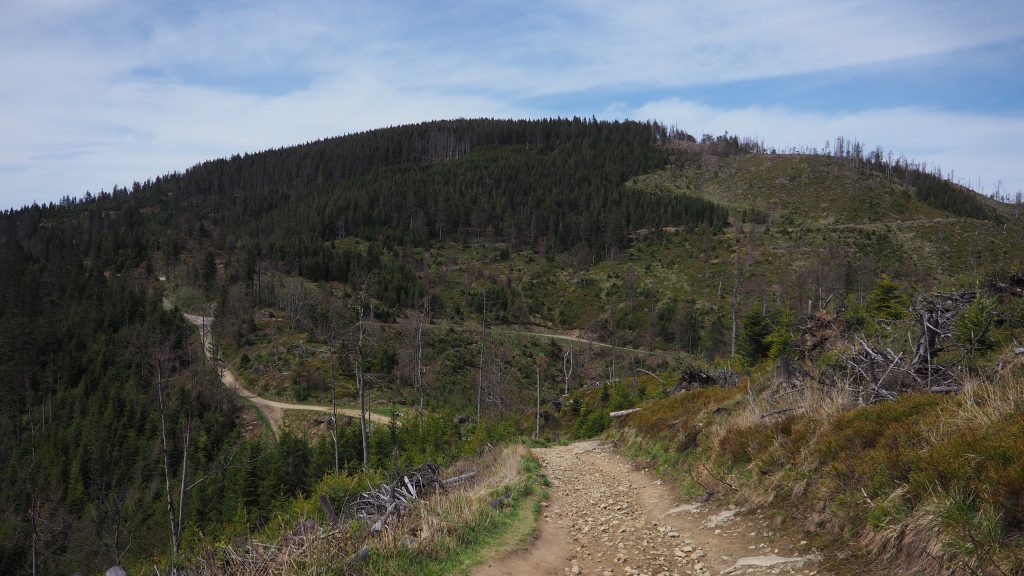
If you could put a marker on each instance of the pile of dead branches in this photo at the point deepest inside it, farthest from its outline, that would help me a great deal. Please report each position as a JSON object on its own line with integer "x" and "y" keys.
{"x": 877, "y": 374}
{"x": 820, "y": 328}
{"x": 391, "y": 499}
{"x": 1013, "y": 284}
{"x": 694, "y": 379}
{"x": 936, "y": 313}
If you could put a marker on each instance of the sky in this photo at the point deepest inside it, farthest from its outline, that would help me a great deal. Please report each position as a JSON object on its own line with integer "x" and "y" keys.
{"x": 97, "y": 93}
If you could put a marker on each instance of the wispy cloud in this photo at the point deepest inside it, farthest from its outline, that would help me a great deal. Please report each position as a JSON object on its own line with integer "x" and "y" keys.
{"x": 97, "y": 92}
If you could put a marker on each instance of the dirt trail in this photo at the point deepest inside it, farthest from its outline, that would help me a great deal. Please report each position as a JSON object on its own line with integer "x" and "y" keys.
{"x": 272, "y": 409}
{"x": 607, "y": 518}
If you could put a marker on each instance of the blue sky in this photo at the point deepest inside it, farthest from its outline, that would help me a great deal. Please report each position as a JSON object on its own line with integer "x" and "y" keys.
{"x": 101, "y": 92}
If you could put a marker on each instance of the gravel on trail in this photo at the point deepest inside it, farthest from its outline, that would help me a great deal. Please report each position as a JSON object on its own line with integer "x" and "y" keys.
{"x": 605, "y": 517}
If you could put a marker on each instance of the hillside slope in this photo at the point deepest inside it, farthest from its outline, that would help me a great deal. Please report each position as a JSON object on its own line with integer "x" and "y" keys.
{"x": 624, "y": 233}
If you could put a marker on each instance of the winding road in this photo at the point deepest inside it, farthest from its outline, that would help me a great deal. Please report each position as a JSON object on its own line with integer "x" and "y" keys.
{"x": 273, "y": 410}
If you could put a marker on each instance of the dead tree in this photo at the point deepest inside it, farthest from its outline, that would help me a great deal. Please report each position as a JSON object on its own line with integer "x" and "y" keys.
{"x": 536, "y": 431}
{"x": 424, "y": 316}
{"x": 739, "y": 272}
{"x": 163, "y": 355}
{"x": 334, "y": 429}
{"x": 483, "y": 339}
{"x": 567, "y": 367}
{"x": 361, "y": 384}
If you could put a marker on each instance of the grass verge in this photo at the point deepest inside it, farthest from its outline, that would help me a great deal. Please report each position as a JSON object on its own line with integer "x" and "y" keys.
{"x": 924, "y": 484}
{"x": 446, "y": 533}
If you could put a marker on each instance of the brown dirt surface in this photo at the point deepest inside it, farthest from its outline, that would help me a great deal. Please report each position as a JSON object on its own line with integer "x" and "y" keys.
{"x": 273, "y": 410}
{"x": 606, "y": 517}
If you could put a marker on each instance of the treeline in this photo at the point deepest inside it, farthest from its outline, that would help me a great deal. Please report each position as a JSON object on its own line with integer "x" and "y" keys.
{"x": 118, "y": 444}
{"x": 82, "y": 465}
{"x": 551, "y": 182}
{"x": 930, "y": 185}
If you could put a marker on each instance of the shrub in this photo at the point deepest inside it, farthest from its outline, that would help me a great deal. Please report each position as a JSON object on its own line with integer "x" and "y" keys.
{"x": 972, "y": 330}
{"x": 780, "y": 340}
{"x": 871, "y": 448}
{"x": 887, "y": 300}
{"x": 753, "y": 344}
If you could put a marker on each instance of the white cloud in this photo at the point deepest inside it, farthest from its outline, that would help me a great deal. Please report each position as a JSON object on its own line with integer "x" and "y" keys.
{"x": 969, "y": 144}
{"x": 139, "y": 131}
{"x": 102, "y": 91}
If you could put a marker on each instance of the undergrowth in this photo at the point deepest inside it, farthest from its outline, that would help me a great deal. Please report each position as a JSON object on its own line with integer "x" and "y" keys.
{"x": 927, "y": 482}
{"x": 445, "y": 533}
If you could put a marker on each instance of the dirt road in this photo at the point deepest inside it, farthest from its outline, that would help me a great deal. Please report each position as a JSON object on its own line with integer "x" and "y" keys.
{"x": 272, "y": 409}
{"x": 607, "y": 518}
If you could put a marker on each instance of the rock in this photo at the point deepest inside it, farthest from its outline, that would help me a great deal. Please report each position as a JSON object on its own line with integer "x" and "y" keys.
{"x": 574, "y": 570}
{"x": 361, "y": 555}
{"x": 115, "y": 571}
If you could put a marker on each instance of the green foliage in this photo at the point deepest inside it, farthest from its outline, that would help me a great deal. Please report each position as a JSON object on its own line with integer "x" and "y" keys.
{"x": 591, "y": 422}
{"x": 752, "y": 344}
{"x": 855, "y": 314}
{"x": 973, "y": 529}
{"x": 887, "y": 300}
{"x": 463, "y": 545}
{"x": 622, "y": 398}
{"x": 780, "y": 339}
{"x": 945, "y": 195}
{"x": 871, "y": 447}
{"x": 678, "y": 413}
{"x": 972, "y": 330}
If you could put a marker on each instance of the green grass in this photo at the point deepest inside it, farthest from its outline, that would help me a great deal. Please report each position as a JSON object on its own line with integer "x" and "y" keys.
{"x": 496, "y": 532}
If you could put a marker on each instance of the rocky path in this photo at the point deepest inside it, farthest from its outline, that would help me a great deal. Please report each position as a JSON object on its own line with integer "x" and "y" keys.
{"x": 607, "y": 518}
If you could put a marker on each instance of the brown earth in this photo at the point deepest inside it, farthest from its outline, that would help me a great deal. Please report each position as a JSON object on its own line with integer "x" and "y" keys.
{"x": 606, "y": 517}
{"x": 273, "y": 410}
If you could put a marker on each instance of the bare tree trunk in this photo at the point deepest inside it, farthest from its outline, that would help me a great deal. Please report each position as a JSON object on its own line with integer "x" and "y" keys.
{"x": 35, "y": 531}
{"x": 636, "y": 377}
{"x": 167, "y": 462}
{"x": 567, "y": 366}
{"x": 536, "y": 431}
{"x": 735, "y": 304}
{"x": 184, "y": 471}
{"x": 419, "y": 358}
{"x": 361, "y": 386}
{"x": 334, "y": 429}
{"x": 480, "y": 380}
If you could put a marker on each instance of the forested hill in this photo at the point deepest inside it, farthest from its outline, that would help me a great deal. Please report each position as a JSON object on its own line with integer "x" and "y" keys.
{"x": 527, "y": 182}
{"x": 626, "y": 230}
{"x": 89, "y": 354}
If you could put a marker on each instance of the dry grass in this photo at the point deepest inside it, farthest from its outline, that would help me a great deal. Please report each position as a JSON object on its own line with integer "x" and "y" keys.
{"x": 924, "y": 484}
{"x": 434, "y": 518}
{"x": 425, "y": 534}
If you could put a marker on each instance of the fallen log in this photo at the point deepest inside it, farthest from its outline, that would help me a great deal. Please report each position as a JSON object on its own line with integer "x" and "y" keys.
{"x": 459, "y": 479}
{"x": 379, "y": 525}
{"x": 325, "y": 504}
{"x": 622, "y": 413}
